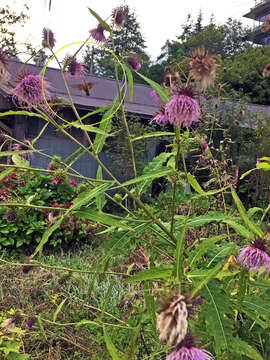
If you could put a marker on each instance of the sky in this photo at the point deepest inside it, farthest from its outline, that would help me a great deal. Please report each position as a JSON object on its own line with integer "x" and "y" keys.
{"x": 159, "y": 20}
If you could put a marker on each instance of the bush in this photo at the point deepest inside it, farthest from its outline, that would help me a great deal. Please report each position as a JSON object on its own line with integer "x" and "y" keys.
{"x": 20, "y": 225}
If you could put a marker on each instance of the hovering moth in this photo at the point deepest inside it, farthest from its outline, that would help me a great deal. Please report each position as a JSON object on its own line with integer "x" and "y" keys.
{"x": 84, "y": 86}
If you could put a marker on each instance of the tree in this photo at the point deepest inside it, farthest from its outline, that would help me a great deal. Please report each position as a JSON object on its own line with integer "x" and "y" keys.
{"x": 226, "y": 40}
{"x": 244, "y": 75}
{"x": 8, "y": 20}
{"x": 126, "y": 40}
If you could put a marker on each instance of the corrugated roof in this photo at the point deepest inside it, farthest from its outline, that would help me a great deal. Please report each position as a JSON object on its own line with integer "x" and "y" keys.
{"x": 102, "y": 93}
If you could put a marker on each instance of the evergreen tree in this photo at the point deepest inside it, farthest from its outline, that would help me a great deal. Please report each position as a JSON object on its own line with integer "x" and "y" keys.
{"x": 127, "y": 40}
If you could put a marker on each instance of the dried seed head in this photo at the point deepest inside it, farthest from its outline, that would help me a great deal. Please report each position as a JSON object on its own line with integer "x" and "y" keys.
{"x": 203, "y": 67}
{"x": 119, "y": 15}
{"x": 4, "y": 74}
{"x": 266, "y": 25}
{"x": 266, "y": 70}
{"x": 172, "y": 322}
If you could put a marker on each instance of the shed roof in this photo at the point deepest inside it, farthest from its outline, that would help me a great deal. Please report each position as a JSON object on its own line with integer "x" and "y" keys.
{"x": 102, "y": 93}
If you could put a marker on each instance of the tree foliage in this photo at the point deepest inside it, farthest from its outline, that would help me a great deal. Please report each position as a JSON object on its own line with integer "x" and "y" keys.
{"x": 9, "y": 19}
{"x": 244, "y": 75}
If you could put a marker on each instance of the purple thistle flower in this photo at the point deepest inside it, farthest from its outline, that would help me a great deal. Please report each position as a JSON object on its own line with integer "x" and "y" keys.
{"x": 10, "y": 215}
{"x": 48, "y": 38}
{"x": 98, "y": 34}
{"x": 133, "y": 62}
{"x": 74, "y": 68}
{"x": 87, "y": 230}
{"x": 31, "y": 321}
{"x": 190, "y": 354}
{"x": 254, "y": 257}
{"x": 29, "y": 91}
{"x": 155, "y": 96}
{"x": 186, "y": 350}
{"x": 205, "y": 146}
{"x": 182, "y": 109}
{"x": 56, "y": 181}
{"x": 26, "y": 268}
{"x": 161, "y": 118}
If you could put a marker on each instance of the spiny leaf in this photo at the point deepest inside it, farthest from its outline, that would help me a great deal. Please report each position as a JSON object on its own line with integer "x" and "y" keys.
{"x": 241, "y": 347}
{"x": 163, "y": 93}
{"x": 20, "y": 161}
{"x": 194, "y": 183}
{"x": 100, "y": 199}
{"x": 130, "y": 81}
{"x": 153, "y": 166}
{"x": 242, "y": 288}
{"x": 59, "y": 308}
{"x": 179, "y": 254}
{"x": 252, "y": 226}
{"x": 4, "y": 173}
{"x": 211, "y": 274}
{"x": 160, "y": 272}
{"x": 214, "y": 309}
{"x": 150, "y": 302}
{"x": 111, "y": 347}
{"x": 151, "y": 176}
{"x": 157, "y": 133}
{"x": 206, "y": 244}
{"x": 102, "y": 22}
{"x": 115, "y": 247}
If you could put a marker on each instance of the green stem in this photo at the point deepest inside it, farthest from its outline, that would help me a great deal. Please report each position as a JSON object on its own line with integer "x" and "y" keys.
{"x": 52, "y": 171}
{"x": 264, "y": 214}
{"x": 124, "y": 117}
{"x": 177, "y": 133}
{"x": 31, "y": 206}
{"x": 62, "y": 268}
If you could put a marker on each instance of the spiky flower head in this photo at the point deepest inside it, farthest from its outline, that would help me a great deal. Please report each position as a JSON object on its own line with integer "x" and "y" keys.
{"x": 10, "y": 215}
{"x": 254, "y": 257}
{"x": 56, "y": 181}
{"x": 154, "y": 95}
{"x": 266, "y": 25}
{"x": 29, "y": 91}
{"x": 203, "y": 67}
{"x": 48, "y": 40}
{"x": 55, "y": 164}
{"x": 161, "y": 118}
{"x": 119, "y": 15}
{"x": 73, "y": 67}
{"x": 133, "y": 62}
{"x": 98, "y": 34}
{"x": 187, "y": 351}
{"x": 266, "y": 70}
{"x": 172, "y": 322}
{"x": 26, "y": 268}
{"x": 4, "y": 74}
{"x": 182, "y": 109}
{"x": 30, "y": 322}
